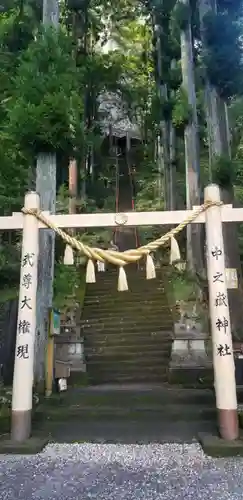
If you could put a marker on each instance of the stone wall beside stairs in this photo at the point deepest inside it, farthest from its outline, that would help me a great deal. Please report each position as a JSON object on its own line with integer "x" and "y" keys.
{"x": 127, "y": 335}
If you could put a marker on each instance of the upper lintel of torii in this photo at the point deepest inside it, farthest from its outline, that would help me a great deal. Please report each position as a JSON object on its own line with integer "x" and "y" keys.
{"x": 132, "y": 219}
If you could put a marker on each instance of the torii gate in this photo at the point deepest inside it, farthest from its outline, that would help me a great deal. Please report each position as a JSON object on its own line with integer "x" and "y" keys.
{"x": 224, "y": 368}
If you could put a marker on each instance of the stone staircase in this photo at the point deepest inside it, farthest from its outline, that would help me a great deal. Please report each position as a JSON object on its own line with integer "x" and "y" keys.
{"x": 127, "y": 335}
{"x": 128, "y": 413}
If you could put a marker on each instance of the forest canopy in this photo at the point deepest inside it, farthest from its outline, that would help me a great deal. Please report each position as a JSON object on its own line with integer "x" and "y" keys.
{"x": 176, "y": 67}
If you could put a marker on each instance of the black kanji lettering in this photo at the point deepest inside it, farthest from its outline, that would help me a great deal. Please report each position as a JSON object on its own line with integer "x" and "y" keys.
{"x": 217, "y": 278}
{"x": 217, "y": 252}
{"x": 28, "y": 260}
{"x": 24, "y": 326}
{"x": 25, "y": 303}
{"x": 27, "y": 281}
{"x": 223, "y": 350}
{"x": 23, "y": 351}
{"x": 222, "y": 324}
{"x": 221, "y": 299}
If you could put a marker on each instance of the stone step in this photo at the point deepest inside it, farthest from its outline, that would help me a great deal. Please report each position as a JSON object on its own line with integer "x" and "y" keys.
{"x": 108, "y": 353}
{"x": 126, "y": 351}
{"x": 126, "y": 318}
{"x": 133, "y": 284}
{"x": 132, "y": 290}
{"x": 101, "y": 374}
{"x": 111, "y": 346}
{"x": 134, "y": 287}
{"x": 126, "y": 297}
{"x": 128, "y": 378}
{"x": 132, "y": 363}
{"x": 153, "y": 357}
{"x": 140, "y": 307}
{"x": 127, "y": 315}
{"x": 123, "y": 316}
{"x": 125, "y": 346}
{"x": 134, "y": 273}
{"x": 123, "y": 301}
{"x": 136, "y": 332}
{"x": 168, "y": 413}
{"x": 126, "y": 337}
{"x": 134, "y": 396}
{"x": 134, "y": 276}
{"x": 149, "y": 324}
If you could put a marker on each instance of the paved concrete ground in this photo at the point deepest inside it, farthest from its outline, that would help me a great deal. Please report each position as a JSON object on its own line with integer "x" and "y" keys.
{"x": 120, "y": 472}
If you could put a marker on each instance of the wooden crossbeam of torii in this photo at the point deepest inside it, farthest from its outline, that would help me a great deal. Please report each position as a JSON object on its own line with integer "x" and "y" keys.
{"x": 15, "y": 221}
{"x": 223, "y": 361}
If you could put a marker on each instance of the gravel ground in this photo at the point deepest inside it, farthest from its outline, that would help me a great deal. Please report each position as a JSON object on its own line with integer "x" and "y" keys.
{"x": 120, "y": 472}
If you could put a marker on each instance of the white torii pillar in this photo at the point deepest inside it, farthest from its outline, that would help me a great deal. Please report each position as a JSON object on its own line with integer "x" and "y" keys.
{"x": 223, "y": 359}
{"x": 26, "y": 326}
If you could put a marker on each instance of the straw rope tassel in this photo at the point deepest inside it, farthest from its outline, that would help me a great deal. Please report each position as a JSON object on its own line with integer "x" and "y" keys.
{"x": 68, "y": 259}
{"x": 175, "y": 254}
{"x": 90, "y": 272}
{"x": 122, "y": 280}
{"x": 150, "y": 267}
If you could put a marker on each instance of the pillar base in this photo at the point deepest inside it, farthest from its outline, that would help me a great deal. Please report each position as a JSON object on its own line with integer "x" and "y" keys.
{"x": 21, "y": 425}
{"x": 228, "y": 424}
{"x": 214, "y": 446}
{"x": 29, "y": 447}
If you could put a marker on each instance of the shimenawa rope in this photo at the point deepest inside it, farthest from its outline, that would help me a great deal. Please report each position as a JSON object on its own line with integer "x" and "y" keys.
{"x": 121, "y": 258}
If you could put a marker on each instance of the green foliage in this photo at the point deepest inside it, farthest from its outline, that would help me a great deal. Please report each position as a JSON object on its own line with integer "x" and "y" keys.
{"x": 44, "y": 113}
{"x": 175, "y": 78}
{"x": 49, "y": 102}
{"x": 184, "y": 285}
{"x": 187, "y": 291}
{"x": 224, "y": 172}
{"x": 182, "y": 112}
{"x": 148, "y": 196}
{"x": 166, "y": 107}
{"x": 182, "y": 15}
{"x": 16, "y": 30}
{"x": 99, "y": 237}
{"x": 69, "y": 284}
{"x": 223, "y": 56}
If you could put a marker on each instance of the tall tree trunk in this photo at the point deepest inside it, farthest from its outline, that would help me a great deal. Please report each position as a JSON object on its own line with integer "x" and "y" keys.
{"x": 216, "y": 108}
{"x": 194, "y": 239}
{"x": 172, "y": 169}
{"x": 46, "y": 187}
{"x": 219, "y": 145}
{"x": 164, "y": 144}
{"x": 172, "y": 156}
{"x": 73, "y": 188}
{"x": 160, "y": 168}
